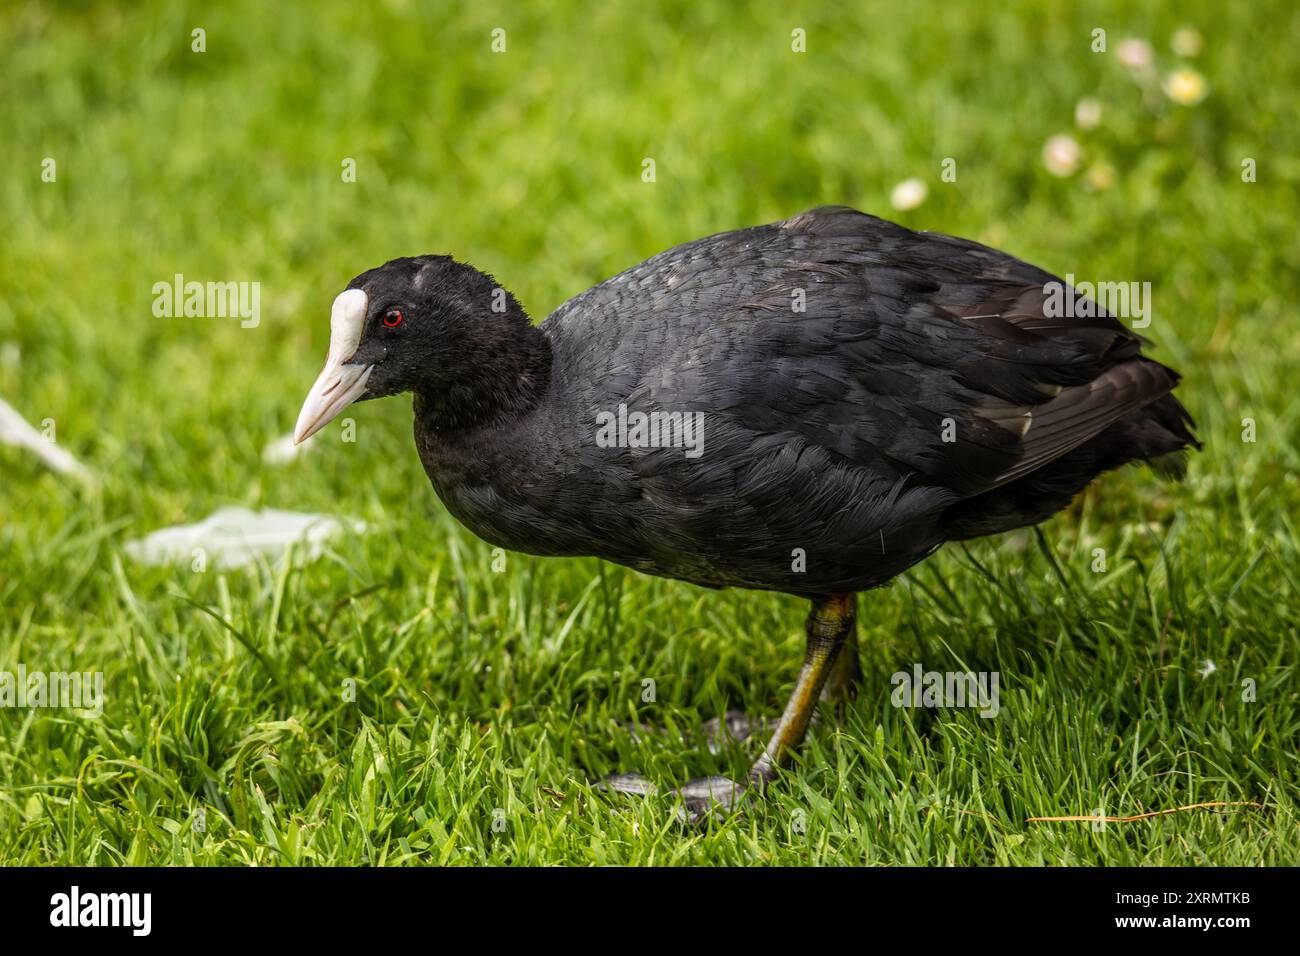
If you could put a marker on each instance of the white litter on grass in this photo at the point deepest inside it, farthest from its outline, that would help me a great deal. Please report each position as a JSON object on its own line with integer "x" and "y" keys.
{"x": 234, "y": 537}
{"x": 14, "y": 430}
{"x": 283, "y": 450}
{"x": 1208, "y": 667}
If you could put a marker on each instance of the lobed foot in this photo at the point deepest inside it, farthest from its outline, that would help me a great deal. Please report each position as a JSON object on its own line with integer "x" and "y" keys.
{"x": 701, "y": 798}
{"x": 708, "y": 795}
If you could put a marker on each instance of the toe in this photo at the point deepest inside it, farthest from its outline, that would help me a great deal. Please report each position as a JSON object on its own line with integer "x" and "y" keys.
{"x": 709, "y": 795}
{"x": 629, "y": 783}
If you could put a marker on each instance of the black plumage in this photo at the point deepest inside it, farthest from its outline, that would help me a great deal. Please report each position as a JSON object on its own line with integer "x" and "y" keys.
{"x": 867, "y": 393}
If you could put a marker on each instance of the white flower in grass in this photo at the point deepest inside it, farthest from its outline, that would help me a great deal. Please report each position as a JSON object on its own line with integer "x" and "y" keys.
{"x": 1135, "y": 54}
{"x": 1087, "y": 113}
{"x": 1208, "y": 667}
{"x": 1185, "y": 87}
{"x": 908, "y": 194}
{"x": 1186, "y": 42}
{"x": 1062, "y": 155}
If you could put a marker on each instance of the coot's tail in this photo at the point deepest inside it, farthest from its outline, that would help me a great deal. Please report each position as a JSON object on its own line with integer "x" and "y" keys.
{"x": 1159, "y": 433}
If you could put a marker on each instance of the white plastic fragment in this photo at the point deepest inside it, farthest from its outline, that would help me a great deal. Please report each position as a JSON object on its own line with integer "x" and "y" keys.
{"x": 234, "y": 537}
{"x": 15, "y": 430}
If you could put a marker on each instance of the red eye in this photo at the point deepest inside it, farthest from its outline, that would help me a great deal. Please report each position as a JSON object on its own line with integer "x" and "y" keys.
{"x": 393, "y": 318}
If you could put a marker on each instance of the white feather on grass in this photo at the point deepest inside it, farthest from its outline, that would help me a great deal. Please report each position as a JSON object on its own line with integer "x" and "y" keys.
{"x": 15, "y": 430}
{"x": 234, "y": 537}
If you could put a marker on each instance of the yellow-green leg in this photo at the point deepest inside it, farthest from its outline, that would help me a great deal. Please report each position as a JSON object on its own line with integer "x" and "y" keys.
{"x": 846, "y": 673}
{"x": 829, "y": 623}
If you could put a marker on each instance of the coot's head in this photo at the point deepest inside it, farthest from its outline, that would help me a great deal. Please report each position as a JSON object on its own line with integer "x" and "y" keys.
{"x": 421, "y": 324}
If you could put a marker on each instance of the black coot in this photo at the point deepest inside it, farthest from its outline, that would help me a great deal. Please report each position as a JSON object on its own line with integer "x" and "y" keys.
{"x": 810, "y": 406}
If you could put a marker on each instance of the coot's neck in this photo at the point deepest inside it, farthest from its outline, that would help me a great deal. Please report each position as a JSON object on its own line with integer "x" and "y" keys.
{"x": 501, "y": 371}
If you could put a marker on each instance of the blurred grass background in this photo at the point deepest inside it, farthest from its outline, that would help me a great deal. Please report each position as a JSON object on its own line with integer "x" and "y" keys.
{"x": 487, "y": 696}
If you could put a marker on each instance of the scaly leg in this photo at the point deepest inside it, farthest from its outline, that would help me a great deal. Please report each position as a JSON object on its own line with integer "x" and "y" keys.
{"x": 830, "y": 622}
{"x": 846, "y": 673}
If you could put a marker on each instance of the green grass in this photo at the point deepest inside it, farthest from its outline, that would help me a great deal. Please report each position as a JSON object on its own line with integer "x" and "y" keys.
{"x": 486, "y": 696}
